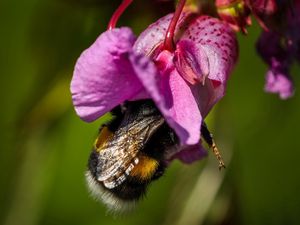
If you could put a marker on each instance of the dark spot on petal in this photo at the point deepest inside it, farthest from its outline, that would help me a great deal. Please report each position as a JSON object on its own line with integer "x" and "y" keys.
{"x": 225, "y": 59}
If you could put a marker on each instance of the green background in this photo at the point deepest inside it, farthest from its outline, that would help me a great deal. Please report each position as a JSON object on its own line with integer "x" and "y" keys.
{"x": 44, "y": 146}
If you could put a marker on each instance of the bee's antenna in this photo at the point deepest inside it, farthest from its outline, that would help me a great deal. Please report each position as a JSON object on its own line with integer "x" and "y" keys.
{"x": 208, "y": 137}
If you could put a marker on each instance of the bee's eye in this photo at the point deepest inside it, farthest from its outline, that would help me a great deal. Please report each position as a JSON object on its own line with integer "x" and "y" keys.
{"x": 142, "y": 109}
{"x": 148, "y": 112}
{"x": 150, "y": 109}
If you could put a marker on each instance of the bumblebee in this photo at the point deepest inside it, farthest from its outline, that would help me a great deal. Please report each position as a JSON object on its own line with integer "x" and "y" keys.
{"x": 130, "y": 152}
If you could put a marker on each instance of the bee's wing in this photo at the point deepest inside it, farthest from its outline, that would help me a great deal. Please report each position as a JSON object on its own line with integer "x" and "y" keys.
{"x": 115, "y": 157}
{"x": 118, "y": 156}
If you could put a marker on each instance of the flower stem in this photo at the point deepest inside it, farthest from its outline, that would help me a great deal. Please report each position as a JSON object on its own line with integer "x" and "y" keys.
{"x": 115, "y": 17}
{"x": 169, "y": 39}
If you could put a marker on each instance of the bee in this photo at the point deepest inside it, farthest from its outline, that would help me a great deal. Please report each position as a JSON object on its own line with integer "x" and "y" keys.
{"x": 130, "y": 152}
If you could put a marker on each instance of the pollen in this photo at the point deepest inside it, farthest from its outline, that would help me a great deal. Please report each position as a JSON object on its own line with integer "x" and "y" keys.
{"x": 145, "y": 168}
{"x": 104, "y": 136}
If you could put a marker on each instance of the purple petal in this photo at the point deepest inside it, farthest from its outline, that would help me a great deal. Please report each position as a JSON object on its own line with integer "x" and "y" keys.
{"x": 190, "y": 153}
{"x": 207, "y": 48}
{"x": 192, "y": 64}
{"x": 173, "y": 96}
{"x": 212, "y": 45}
{"x": 150, "y": 40}
{"x": 183, "y": 108}
{"x": 269, "y": 46}
{"x": 152, "y": 37}
{"x": 103, "y": 76}
{"x": 279, "y": 59}
{"x": 277, "y": 82}
{"x": 208, "y": 95}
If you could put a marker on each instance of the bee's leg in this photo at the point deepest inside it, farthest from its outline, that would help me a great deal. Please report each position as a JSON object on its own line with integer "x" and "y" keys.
{"x": 208, "y": 137}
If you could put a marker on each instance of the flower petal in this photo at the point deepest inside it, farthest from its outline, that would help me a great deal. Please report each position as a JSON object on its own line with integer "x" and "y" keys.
{"x": 209, "y": 48}
{"x": 208, "y": 95}
{"x": 173, "y": 96}
{"x": 184, "y": 110}
{"x": 192, "y": 64}
{"x": 191, "y": 153}
{"x": 279, "y": 59}
{"x": 152, "y": 37}
{"x": 103, "y": 76}
{"x": 216, "y": 41}
{"x": 269, "y": 46}
{"x": 279, "y": 82}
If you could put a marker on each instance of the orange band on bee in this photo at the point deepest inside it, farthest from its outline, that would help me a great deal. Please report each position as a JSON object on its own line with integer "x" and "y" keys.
{"x": 104, "y": 136}
{"x": 145, "y": 168}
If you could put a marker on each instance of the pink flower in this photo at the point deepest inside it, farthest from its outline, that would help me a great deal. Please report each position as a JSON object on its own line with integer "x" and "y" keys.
{"x": 279, "y": 82}
{"x": 184, "y": 84}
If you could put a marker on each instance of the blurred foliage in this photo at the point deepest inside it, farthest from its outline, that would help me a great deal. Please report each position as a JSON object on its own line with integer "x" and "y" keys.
{"x": 45, "y": 146}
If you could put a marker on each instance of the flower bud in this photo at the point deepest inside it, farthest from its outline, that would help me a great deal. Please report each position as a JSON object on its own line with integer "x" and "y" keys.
{"x": 235, "y": 13}
{"x": 263, "y": 11}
